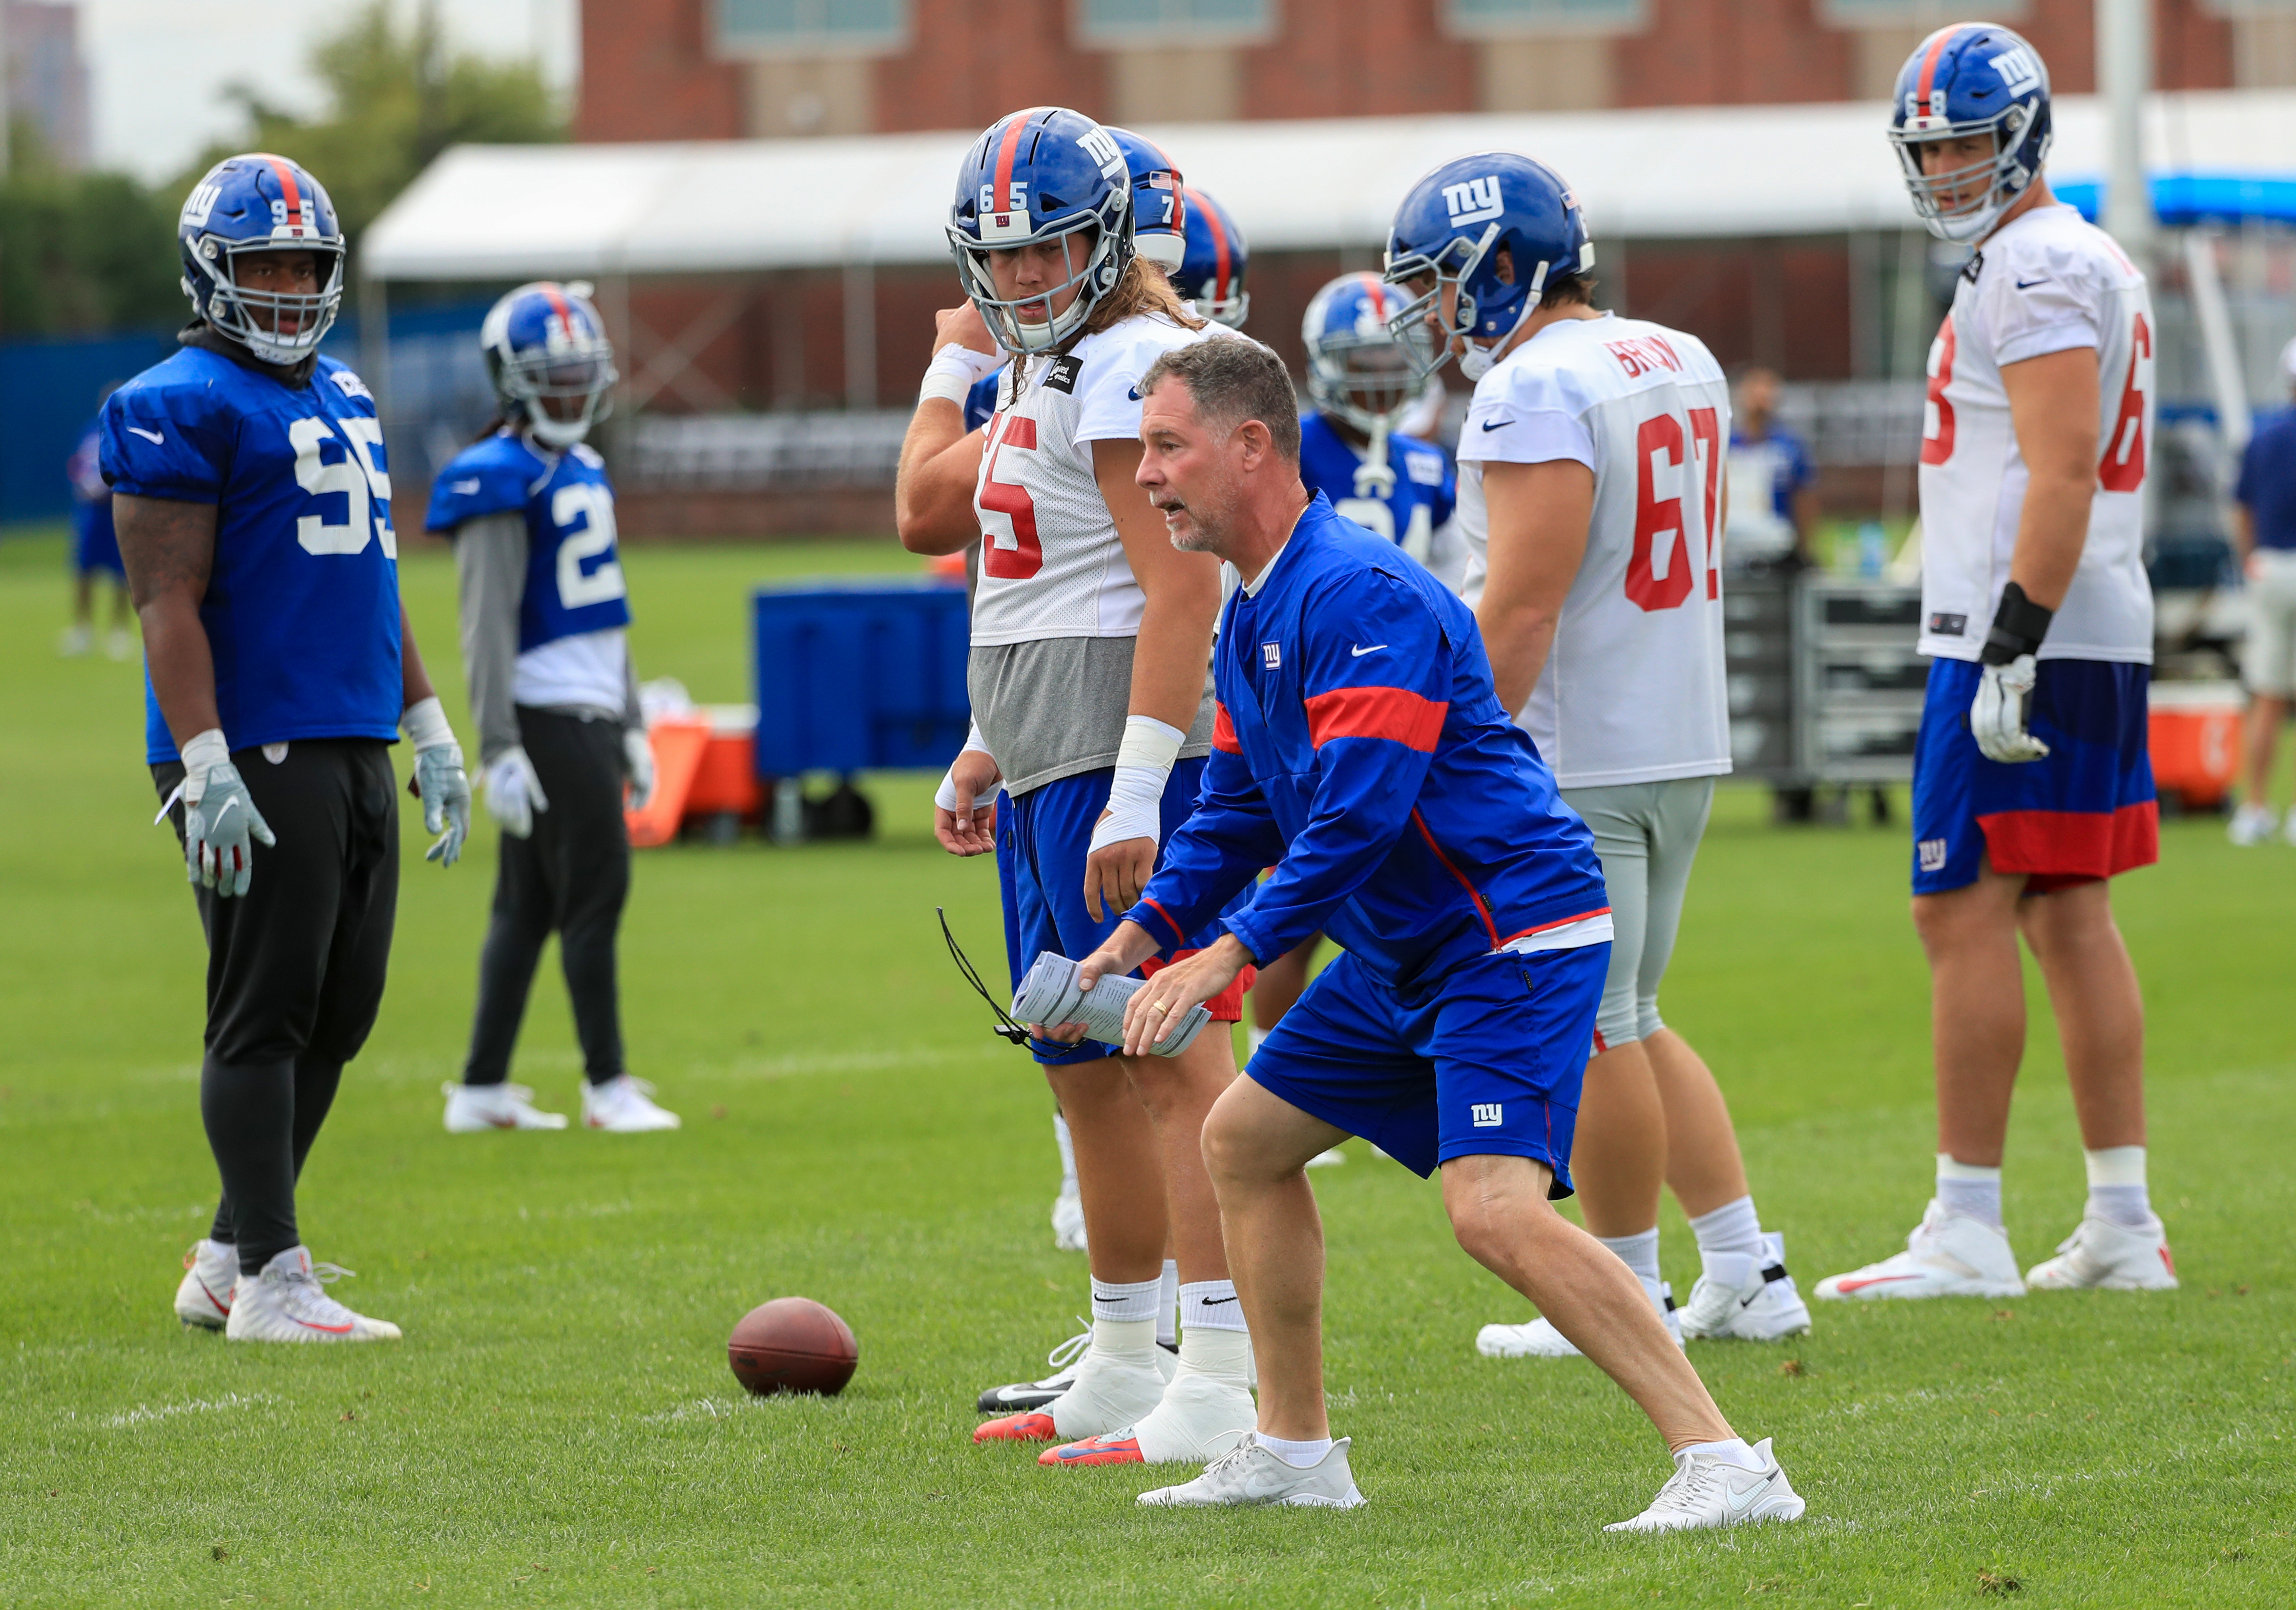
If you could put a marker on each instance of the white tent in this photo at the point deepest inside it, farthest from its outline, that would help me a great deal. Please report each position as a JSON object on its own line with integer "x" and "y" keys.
{"x": 512, "y": 213}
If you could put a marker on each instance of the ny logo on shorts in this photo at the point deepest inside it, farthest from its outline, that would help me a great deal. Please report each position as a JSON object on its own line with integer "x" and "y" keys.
{"x": 1931, "y": 854}
{"x": 1487, "y": 1114}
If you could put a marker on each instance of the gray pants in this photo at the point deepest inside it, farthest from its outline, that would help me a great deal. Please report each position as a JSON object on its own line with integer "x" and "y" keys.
{"x": 1647, "y": 834}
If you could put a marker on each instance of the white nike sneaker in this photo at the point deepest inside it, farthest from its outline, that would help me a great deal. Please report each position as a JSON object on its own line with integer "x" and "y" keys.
{"x": 624, "y": 1105}
{"x": 2098, "y": 1255}
{"x": 1328, "y": 1159}
{"x": 1766, "y": 1307}
{"x": 203, "y": 1296}
{"x": 1248, "y": 1474}
{"x": 1067, "y": 1220}
{"x": 1706, "y": 1490}
{"x": 1540, "y": 1340}
{"x": 2252, "y": 824}
{"x": 472, "y": 1108}
{"x": 288, "y": 1301}
{"x": 1948, "y": 1255}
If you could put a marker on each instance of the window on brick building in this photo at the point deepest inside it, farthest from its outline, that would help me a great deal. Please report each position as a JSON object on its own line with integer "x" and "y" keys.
{"x": 748, "y": 27}
{"x": 1908, "y": 13}
{"x": 1481, "y": 19}
{"x": 1173, "y": 21}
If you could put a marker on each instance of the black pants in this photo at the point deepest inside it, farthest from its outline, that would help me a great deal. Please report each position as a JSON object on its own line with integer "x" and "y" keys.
{"x": 295, "y": 970}
{"x": 571, "y": 877}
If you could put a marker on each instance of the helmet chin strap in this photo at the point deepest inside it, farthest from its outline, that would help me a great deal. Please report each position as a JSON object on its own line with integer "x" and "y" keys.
{"x": 1375, "y": 476}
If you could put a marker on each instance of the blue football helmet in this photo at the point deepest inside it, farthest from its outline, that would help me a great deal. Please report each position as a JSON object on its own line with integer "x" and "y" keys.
{"x": 1972, "y": 78}
{"x": 256, "y": 203}
{"x": 1044, "y": 174}
{"x": 1448, "y": 231}
{"x": 1360, "y": 368}
{"x": 545, "y": 342}
{"x": 1159, "y": 212}
{"x": 1211, "y": 274}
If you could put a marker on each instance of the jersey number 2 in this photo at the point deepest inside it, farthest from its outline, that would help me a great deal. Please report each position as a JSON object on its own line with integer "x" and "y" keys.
{"x": 594, "y": 506}
{"x": 1661, "y": 448}
{"x": 353, "y": 474}
{"x": 1025, "y": 555}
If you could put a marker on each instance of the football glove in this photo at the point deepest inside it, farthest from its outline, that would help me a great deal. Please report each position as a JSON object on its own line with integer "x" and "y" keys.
{"x": 637, "y": 754}
{"x": 439, "y": 781}
{"x": 2004, "y": 705}
{"x": 513, "y": 793}
{"x": 219, "y": 819}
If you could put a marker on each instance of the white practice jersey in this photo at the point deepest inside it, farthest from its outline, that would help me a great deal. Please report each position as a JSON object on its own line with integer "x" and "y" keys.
{"x": 2048, "y": 282}
{"x": 1051, "y": 562}
{"x": 1632, "y": 690}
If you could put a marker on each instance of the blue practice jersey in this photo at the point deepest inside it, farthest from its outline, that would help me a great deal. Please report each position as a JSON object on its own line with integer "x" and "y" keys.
{"x": 301, "y": 609}
{"x": 1360, "y": 749}
{"x": 573, "y": 571}
{"x": 2267, "y": 489}
{"x": 1426, "y": 487}
{"x": 981, "y": 402}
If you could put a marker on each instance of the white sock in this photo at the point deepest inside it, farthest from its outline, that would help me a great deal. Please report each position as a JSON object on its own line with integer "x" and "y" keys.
{"x": 1964, "y": 1187}
{"x": 1637, "y": 1253}
{"x": 1299, "y": 1456}
{"x": 1224, "y": 1355}
{"x": 1210, "y": 1305}
{"x": 1068, "y": 1154}
{"x": 1125, "y": 1302}
{"x": 1733, "y": 1452}
{"x": 2117, "y": 1192}
{"x": 1167, "y": 1304}
{"x": 1254, "y": 1038}
{"x": 1729, "y": 1242}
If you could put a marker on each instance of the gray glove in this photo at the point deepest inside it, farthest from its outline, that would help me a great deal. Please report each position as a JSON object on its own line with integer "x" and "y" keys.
{"x": 219, "y": 819}
{"x": 445, "y": 795}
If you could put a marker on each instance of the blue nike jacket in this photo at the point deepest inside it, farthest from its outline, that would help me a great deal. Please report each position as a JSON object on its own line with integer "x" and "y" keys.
{"x": 1361, "y": 751}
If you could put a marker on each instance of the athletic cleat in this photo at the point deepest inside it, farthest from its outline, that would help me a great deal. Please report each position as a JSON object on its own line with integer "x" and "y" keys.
{"x": 1033, "y": 1427}
{"x": 1248, "y": 1474}
{"x": 78, "y": 642}
{"x": 2252, "y": 824}
{"x": 1948, "y": 1255}
{"x": 1708, "y": 1491}
{"x": 1766, "y": 1308}
{"x": 1064, "y": 1359}
{"x": 2099, "y": 1256}
{"x": 1200, "y": 1418}
{"x": 473, "y": 1108}
{"x": 288, "y": 1301}
{"x": 117, "y": 645}
{"x": 1111, "y": 1390}
{"x": 1067, "y": 1220}
{"x": 624, "y": 1105}
{"x": 203, "y": 1296}
{"x": 1540, "y": 1340}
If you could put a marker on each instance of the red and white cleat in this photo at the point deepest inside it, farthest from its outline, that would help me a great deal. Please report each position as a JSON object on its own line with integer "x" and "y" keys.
{"x": 203, "y": 1297}
{"x": 1948, "y": 1255}
{"x": 1034, "y": 1426}
{"x": 2103, "y": 1256}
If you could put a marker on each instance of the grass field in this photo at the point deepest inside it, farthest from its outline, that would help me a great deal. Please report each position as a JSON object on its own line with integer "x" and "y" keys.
{"x": 560, "y": 1427}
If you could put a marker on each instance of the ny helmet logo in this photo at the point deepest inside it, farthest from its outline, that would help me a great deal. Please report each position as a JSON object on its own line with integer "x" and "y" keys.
{"x": 2018, "y": 70}
{"x": 1475, "y": 200}
{"x": 1101, "y": 147}
{"x": 200, "y": 203}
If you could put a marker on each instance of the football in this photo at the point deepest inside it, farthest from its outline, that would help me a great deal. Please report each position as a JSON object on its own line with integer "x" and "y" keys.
{"x": 792, "y": 1344}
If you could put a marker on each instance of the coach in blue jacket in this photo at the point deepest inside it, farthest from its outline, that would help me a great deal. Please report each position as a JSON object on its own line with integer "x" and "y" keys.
{"x": 1361, "y": 750}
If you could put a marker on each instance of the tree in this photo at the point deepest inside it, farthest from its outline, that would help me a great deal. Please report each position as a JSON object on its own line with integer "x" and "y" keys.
{"x": 396, "y": 99}
{"x": 82, "y": 251}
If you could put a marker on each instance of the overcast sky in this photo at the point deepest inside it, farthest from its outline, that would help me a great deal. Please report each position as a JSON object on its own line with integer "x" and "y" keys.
{"x": 159, "y": 67}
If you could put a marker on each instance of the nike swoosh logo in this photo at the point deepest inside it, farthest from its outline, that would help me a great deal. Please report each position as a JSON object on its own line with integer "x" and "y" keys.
{"x": 2028, "y": 285}
{"x": 1738, "y": 1500}
{"x": 1495, "y": 423}
{"x": 153, "y": 437}
{"x": 1859, "y": 1285}
{"x": 225, "y": 811}
{"x": 1357, "y": 654}
{"x": 1216, "y": 1302}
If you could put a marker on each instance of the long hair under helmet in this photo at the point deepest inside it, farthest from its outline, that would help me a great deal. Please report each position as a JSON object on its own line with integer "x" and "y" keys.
{"x": 1044, "y": 174}
{"x": 1972, "y": 79}
{"x": 546, "y": 341}
{"x": 256, "y": 203}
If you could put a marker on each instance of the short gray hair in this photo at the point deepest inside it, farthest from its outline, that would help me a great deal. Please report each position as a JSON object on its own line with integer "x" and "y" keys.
{"x": 1232, "y": 379}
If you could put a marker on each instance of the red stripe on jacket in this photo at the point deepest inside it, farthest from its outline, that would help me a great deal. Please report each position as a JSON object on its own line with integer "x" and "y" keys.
{"x": 1223, "y": 738}
{"x": 1481, "y": 909}
{"x": 1393, "y": 713}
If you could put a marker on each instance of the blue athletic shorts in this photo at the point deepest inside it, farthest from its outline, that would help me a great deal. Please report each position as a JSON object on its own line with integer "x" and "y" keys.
{"x": 1042, "y": 840}
{"x": 2085, "y": 811}
{"x": 95, "y": 547}
{"x": 1485, "y": 1061}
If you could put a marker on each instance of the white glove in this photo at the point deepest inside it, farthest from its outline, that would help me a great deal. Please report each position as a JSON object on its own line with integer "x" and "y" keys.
{"x": 513, "y": 793}
{"x": 637, "y": 755}
{"x": 439, "y": 781}
{"x": 1998, "y": 716}
{"x": 219, "y": 819}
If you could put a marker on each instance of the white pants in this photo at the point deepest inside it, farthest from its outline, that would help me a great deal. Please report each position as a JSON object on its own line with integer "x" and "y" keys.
{"x": 2267, "y": 663}
{"x": 1647, "y": 834}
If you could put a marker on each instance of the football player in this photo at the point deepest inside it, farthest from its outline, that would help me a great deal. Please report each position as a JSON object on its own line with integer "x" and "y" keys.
{"x": 545, "y": 619}
{"x": 94, "y": 550}
{"x": 1091, "y": 645}
{"x": 2032, "y": 785}
{"x": 1353, "y": 449}
{"x": 1210, "y": 276}
{"x": 252, "y": 499}
{"x": 1589, "y": 493}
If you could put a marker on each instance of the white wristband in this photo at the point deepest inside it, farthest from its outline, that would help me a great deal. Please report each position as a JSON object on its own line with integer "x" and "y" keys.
{"x": 945, "y": 796}
{"x": 202, "y": 753}
{"x": 1136, "y": 795}
{"x": 426, "y": 724}
{"x": 954, "y": 371}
